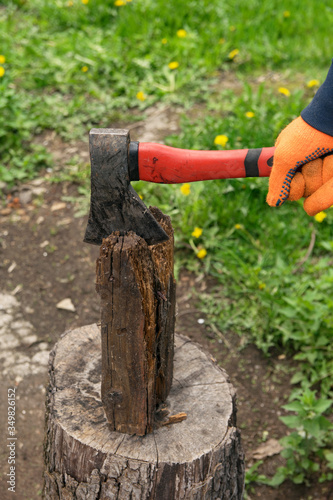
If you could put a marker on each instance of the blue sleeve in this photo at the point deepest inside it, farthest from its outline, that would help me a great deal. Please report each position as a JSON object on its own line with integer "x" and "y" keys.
{"x": 319, "y": 113}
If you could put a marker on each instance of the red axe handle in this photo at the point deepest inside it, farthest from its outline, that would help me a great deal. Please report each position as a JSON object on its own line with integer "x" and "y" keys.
{"x": 167, "y": 165}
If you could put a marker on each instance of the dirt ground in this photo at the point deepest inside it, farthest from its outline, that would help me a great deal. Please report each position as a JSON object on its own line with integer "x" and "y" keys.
{"x": 43, "y": 261}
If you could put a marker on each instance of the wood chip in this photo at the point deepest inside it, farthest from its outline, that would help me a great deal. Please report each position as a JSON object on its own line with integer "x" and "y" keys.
{"x": 66, "y": 305}
{"x": 38, "y": 191}
{"x": 12, "y": 267}
{"x": 37, "y": 182}
{"x": 6, "y": 211}
{"x": 59, "y": 205}
{"x": 174, "y": 419}
{"x": 17, "y": 289}
{"x": 64, "y": 222}
{"x": 268, "y": 449}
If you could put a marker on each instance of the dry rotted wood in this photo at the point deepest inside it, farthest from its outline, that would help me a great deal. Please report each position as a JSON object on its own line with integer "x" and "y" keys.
{"x": 137, "y": 289}
{"x": 199, "y": 458}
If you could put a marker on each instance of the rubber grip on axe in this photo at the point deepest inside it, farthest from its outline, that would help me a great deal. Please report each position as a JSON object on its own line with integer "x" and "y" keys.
{"x": 167, "y": 165}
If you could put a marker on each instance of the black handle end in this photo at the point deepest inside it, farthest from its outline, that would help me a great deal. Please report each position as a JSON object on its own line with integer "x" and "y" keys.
{"x": 133, "y": 161}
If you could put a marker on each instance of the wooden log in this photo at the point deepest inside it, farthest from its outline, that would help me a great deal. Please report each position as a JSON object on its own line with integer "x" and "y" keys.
{"x": 137, "y": 289}
{"x": 165, "y": 285}
{"x": 198, "y": 458}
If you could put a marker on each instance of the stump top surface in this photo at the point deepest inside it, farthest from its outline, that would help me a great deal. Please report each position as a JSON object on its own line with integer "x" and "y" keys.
{"x": 200, "y": 389}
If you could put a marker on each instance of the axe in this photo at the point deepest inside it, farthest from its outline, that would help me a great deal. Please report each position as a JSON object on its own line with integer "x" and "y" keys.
{"x": 115, "y": 161}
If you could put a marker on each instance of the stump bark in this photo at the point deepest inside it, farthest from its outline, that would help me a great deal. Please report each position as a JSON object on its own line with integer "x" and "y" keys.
{"x": 198, "y": 458}
{"x": 137, "y": 289}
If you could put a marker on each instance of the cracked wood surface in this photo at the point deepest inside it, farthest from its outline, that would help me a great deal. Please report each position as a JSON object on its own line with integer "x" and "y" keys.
{"x": 198, "y": 458}
{"x": 137, "y": 289}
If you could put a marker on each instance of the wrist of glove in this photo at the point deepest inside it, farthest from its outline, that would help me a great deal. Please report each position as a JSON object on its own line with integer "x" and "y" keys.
{"x": 303, "y": 167}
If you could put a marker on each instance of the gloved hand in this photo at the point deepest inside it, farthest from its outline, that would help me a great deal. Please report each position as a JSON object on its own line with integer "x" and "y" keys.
{"x": 299, "y": 168}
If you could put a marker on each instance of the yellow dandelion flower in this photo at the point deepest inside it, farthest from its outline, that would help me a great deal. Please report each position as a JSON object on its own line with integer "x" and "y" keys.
{"x": 284, "y": 91}
{"x": 239, "y": 226}
{"x": 164, "y": 41}
{"x": 2, "y": 71}
{"x": 233, "y": 54}
{"x": 185, "y": 189}
{"x": 182, "y": 33}
{"x": 140, "y": 196}
{"x": 320, "y": 216}
{"x": 286, "y": 13}
{"x": 2, "y": 59}
{"x": 249, "y": 114}
{"x": 221, "y": 140}
{"x": 262, "y": 286}
{"x": 173, "y": 65}
{"x": 312, "y": 83}
{"x": 85, "y": 2}
{"x": 202, "y": 253}
{"x": 119, "y": 3}
{"x": 197, "y": 232}
{"x": 141, "y": 96}
{"x": 84, "y": 69}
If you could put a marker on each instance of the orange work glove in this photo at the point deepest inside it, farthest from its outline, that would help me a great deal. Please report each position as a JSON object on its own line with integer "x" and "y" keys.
{"x": 299, "y": 168}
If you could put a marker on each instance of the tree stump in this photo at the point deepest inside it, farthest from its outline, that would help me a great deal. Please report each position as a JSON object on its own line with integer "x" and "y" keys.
{"x": 198, "y": 458}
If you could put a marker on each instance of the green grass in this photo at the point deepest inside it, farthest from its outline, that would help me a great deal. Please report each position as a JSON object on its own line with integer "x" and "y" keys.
{"x": 48, "y": 44}
{"x": 70, "y": 66}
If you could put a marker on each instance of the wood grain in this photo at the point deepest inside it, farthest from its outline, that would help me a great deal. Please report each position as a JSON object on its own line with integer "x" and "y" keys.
{"x": 137, "y": 289}
{"x": 198, "y": 458}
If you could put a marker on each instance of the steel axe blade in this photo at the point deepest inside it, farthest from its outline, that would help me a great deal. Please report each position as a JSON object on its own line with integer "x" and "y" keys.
{"x": 114, "y": 205}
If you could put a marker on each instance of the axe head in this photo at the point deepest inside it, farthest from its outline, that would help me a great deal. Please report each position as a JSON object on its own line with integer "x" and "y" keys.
{"x": 114, "y": 205}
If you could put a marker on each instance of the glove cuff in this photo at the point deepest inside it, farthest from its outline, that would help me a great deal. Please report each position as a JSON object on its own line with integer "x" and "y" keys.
{"x": 319, "y": 113}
